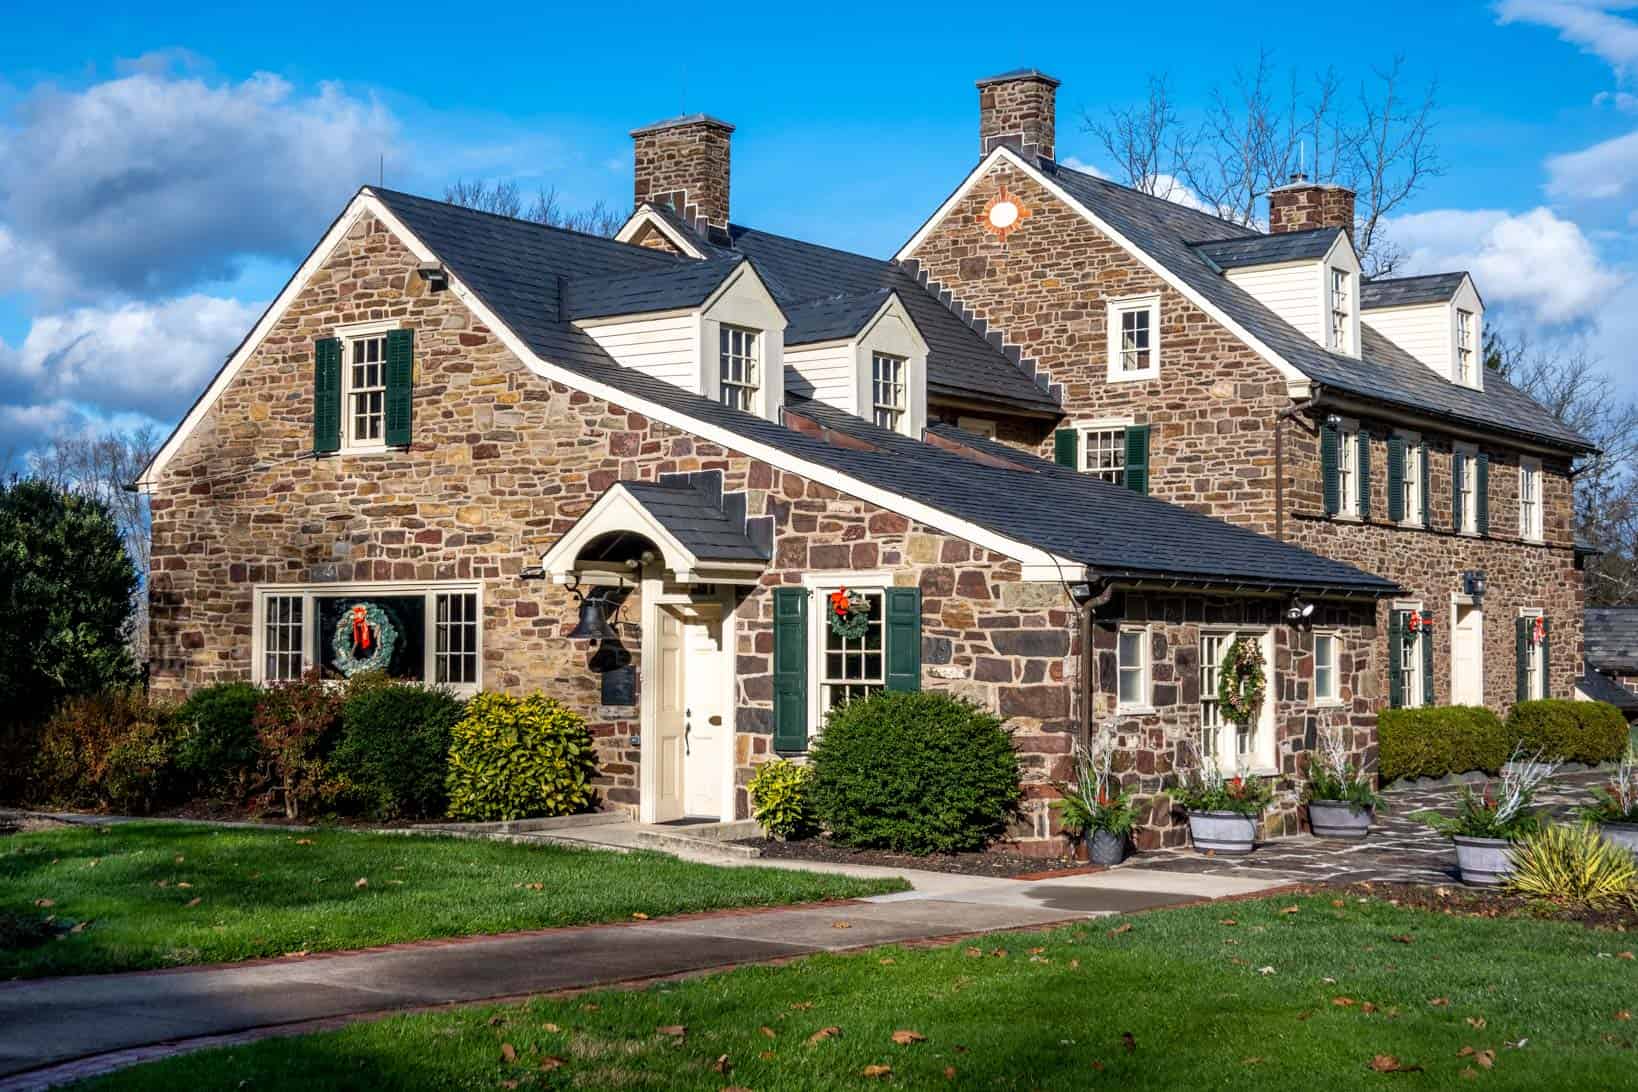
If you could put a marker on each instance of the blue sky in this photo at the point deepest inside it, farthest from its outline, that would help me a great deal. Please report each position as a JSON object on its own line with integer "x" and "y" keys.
{"x": 162, "y": 172}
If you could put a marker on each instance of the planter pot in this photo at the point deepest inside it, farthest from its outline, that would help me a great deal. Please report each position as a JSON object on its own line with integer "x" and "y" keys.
{"x": 1339, "y": 819}
{"x": 1107, "y": 848}
{"x": 1624, "y": 835}
{"x": 1484, "y": 862}
{"x": 1225, "y": 832}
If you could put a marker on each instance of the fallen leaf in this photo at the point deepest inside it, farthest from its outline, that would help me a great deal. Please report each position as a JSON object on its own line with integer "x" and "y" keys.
{"x": 768, "y": 1031}
{"x": 1265, "y": 970}
{"x": 824, "y": 1033}
{"x": 1367, "y": 1007}
{"x": 184, "y": 884}
{"x": 551, "y": 1062}
{"x": 43, "y": 903}
{"x": 509, "y": 1084}
{"x": 1623, "y": 955}
{"x": 1439, "y": 1002}
{"x": 179, "y": 858}
{"x": 675, "y": 1030}
{"x": 841, "y": 925}
{"x": 1387, "y": 1063}
{"x": 1476, "y": 1022}
{"x": 590, "y": 1006}
{"x": 999, "y": 953}
{"x": 80, "y": 927}
{"x": 509, "y": 1052}
{"x": 1036, "y": 951}
{"x": 639, "y": 915}
{"x": 304, "y": 841}
{"x": 1342, "y": 1002}
{"x": 877, "y": 1071}
{"x": 1291, "y": 910}
{"x": 1251, "y": 1061}
{"x": 1129, "y": 1041}
{"x": 767, "y": 1055}
{"x": 1486, "y": 1059}
{"x": 1228, "y": 921}
{"x": 1074, "y": 964}
{"x": 801, "y": 1006}
{"x": 1469, "y": 1073}
{"x": 949, "y": 1073}
{"x": 974, "y": 953}
{"x": 1623, "y": 1015}
{"x": 887, "y": 961}
{"x": 551, "y": 1027}
{"x": 904, "y": 1037}
{"x": 1402, "y": 938}
{"x": 1465, "y": 1052}
{"x": 361, "y": 882}
{"x": 191, "y": 903}
{"x": 496, "y": 1021}
{"x": 722, "y": 1065}
{"x": 1337, "y": 903}
{"x": 1126, "y": 927}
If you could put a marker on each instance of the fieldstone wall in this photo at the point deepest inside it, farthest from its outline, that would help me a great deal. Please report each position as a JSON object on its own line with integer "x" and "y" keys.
{"x": 1021, "y": 113}
{"x": 1304, "y": 206}
{"x": 685, "y": 164}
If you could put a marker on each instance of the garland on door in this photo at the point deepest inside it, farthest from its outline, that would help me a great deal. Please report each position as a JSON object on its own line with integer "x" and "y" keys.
{"x": 1240, "y": 681}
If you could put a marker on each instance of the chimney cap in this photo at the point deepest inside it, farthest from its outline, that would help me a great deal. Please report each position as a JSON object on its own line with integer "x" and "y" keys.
{"x": 1020, "y": 74}
{"x": 681, "y": 122}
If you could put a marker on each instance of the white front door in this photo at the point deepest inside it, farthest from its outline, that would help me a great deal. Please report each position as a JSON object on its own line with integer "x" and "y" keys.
{"x": 1467, "y": 656}
{"x": 705, "y": 732}
{"x": 670, "y": 714}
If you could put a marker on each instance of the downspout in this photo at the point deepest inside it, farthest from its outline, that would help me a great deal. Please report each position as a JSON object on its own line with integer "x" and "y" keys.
{"x": 1288, "y": 413}
{"x": 1088, "y": 659}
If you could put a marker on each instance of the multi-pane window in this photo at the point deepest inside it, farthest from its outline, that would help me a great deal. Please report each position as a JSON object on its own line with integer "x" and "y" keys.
{"x": 1535, "y": 668}
{"x": 1410, "y": 661}
{"x": 1103, "y": 454}
{"x": 1530, "y": 500}
{"x": 1340, "y": 310}
{"x": 366, "y": 389}
{"x": 455, "y": 638}
{"x": 1348, "y": 470}
{"x": 738, "y": 367}
{"x": 887, "y": 390}
{"x": 1135, "y": 340}
{"x": 1467, "y": 491}
{"x": 283, "y": 641}
{"x": 1325, "y": 668}
{"x": 1465, "y": 355}
{"x": 1212, "y": 647}
{"x": 1132, "y": 669}
{"x": 1411, "y": 483}
{"x": 852, "y": 667}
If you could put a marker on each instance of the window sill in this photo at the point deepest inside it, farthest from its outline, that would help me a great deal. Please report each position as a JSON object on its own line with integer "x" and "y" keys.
{"x": 1330, "y": 703}
{"x": 1347, "y": 517}
{"x": 1135, "y": 710}
{"x": 1133, "y": 377}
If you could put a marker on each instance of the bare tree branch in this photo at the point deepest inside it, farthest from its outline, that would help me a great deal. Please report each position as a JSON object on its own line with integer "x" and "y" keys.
{"x": 504, "y": 199}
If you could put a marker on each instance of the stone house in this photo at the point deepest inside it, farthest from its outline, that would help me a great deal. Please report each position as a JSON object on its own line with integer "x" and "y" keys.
{"x": 639, "y": 474}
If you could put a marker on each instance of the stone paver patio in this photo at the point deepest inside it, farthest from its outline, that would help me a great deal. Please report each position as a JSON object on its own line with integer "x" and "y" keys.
{"x": 1399, "y": 849}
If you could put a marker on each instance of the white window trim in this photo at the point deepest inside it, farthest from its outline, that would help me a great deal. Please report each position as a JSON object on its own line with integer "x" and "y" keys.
{"x": 818, "y": 585}
{"x": 1118, "y": 307}
{"x": 1469, "y": 456}
{"x": 1083, "y": 429}
{"x": 1472, "y": 382}
{"x": 1535, "y": 533}
{"x": 754, "y": 365}
{"x": 1348, "y": 449}
{"x": 1333, "y": 701}
{"x": 1415, "y": 514}
{"x": 1409, "y": 700}
{"x": 1146, "y": 706}
{"x": 348, "y": 334}
{"x": 902, "y": 409}
{"x": 1346, "y": 344}
{"x": 1538, "y": 663}
{"x": 429, "y": 590}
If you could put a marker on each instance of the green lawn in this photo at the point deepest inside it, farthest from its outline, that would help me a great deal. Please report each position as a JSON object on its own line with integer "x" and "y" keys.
{"x": 1205, "y": 1003}
{"x": 164, "y": 894}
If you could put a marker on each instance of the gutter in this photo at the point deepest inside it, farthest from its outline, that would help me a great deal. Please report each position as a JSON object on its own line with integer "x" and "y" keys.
{"x": 1089, "y": 673}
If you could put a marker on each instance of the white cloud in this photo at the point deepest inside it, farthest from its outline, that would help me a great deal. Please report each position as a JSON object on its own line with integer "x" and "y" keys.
{"x": 151, "y": 359}
{"x": 1534, "y": 261}
{"x": 153, "y": 182}
{"x": 1624, "y": 101}
{"x": 1592, "y": 25}
{"x": 1165, "y": 185}
{"x": 1602, "y": 172}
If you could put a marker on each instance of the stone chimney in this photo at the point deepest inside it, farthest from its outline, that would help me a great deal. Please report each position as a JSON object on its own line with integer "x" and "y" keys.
{"x": 1018, "y": 109}
{"x": 1301, "y": 205}
{"x": 683, "y": 163}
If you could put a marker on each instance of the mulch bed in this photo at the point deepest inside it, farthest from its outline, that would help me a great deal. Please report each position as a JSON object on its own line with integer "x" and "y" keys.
{"x": 993, "y": 863}
{"x": 1477, "y": 902}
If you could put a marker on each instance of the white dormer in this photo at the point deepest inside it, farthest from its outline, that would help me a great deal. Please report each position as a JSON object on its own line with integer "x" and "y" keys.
{"x": 865, "y": 356}
{"x": 1438, "y": 319}
{"x": 1309, "y": 278}
{"x": 726, "y": 343}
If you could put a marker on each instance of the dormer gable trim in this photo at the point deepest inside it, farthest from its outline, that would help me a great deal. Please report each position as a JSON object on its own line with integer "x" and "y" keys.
{"x": 646, "y": 217}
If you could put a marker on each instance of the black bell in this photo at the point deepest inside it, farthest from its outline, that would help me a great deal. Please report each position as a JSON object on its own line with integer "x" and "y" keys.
{"x": 592, "y": 625}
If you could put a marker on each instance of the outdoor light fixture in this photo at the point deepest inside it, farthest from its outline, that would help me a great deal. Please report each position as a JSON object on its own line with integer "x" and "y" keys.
{"x": 1473, "y": 584}
{"x": 1333, "y": 421}
{"x": 1299, "y": 611}
{"x": 592, "y": 625}
{"x": 436, "y": 276}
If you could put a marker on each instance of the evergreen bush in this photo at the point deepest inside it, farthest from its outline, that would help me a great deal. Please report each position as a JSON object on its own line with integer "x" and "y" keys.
{"x": 513, "y": 758}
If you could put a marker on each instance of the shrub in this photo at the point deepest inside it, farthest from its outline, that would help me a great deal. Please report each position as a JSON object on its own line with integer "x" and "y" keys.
{"x": 295, "y": 725}
{"x": 1094, "y": 801}
{"x": 107, "y": 750}
{"x": 1334, "y": 777}
{"x": 140, "y": 773}
{"x": 781, "y": 794}
{"x": 918, "y": 772}
{"x": 510, "y": 758}
{"x": 1569, "y": 731}
{"x": 393, "y": 755}
{"x": 1502, "y": 810}
{"x": 1573, "y": 865}
{"x": 1214, "y": 792}
{"x": 1439, "y": 740}
{"x": 217, "y": 750}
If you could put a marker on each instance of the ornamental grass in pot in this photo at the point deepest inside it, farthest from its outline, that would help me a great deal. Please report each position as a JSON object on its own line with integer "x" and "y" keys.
{"x": 1488, "y": 823}
{"x": 1095, "y": 811}
{"x": 1615, "y": 806}
{"x": 1341, "y": 796}
{"x": 1224, "y": 812}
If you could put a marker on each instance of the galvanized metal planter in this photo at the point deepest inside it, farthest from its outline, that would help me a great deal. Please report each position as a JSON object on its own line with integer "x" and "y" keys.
{"x": 1339, "y": 819}
{"x": 1106, "y": 848}
{"x": 1225, "y": 832}
{"x": 1624, "y": 835}
{"x": 1484, "y": 862}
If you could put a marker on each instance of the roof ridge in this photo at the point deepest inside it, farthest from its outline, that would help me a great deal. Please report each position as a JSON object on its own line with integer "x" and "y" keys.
{"x": 469, "y": 210}
{"x": 1168, "y": 202}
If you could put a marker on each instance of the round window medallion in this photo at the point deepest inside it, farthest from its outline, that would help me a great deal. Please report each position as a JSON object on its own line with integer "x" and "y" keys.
{"x": 1003, "y": 214}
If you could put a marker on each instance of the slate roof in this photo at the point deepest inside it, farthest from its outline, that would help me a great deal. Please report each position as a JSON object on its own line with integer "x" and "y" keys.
{"x": 1602, "y": 688}
{"x": 1165, "y": 230}
{"x": 513, "y": 267}
{"x": 682, "y": 285}
{"x": 697, "y": 520}
{"x": 1290, "y": 246}
{"x": 1406, "y": 291}
{"x": 1611, "y": 638}
{"x": 833, "y": 318}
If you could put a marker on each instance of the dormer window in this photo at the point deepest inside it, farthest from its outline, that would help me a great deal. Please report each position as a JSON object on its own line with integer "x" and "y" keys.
{"x": 889, "y": 389}
{"x": 1465, "y": 355}
{"x": 738, "y": 367}
{"x": 1341, "y": 312}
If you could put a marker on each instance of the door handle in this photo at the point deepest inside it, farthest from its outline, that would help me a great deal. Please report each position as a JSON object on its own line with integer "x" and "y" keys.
{"x": 687, "y": 728}
{"x": 714, "y": 721}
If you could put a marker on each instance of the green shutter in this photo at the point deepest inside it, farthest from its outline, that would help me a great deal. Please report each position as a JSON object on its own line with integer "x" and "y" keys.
{"x": 1396, "y": 478}
{"x": 327, "y": 394}
{"x": 1364, "y": 461}
{"x": 1521, "y": 650}
{"x": 903, "y": 608}
{"x": 1066, "y": 448}
{"x": 1137, "y": 458}
{"x": 1423, "y": 493}
{"x": 1546, "y": 657}
{"x": 790, "y": 669}
{"x": 1458, "y": 471}
{"x": 1328, "y": 470}
{"x": 1426, "y": 641}
{"x": 1396, "y": 639}
{"x": 400, "y": 386}
{"x": 1481, "y": 486}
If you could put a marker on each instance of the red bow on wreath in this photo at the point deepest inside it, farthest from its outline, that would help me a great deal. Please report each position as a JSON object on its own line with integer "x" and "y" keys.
{"x": 1538, "y": 631}
{"x": 361, "y": 628}
{"x": 839, "y": 601}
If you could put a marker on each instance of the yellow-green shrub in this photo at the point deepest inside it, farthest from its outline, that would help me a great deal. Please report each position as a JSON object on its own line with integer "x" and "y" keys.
{"x": 513, "y": 758}
{"x": 780, "y": 795}
{"x": 1572, "y": 864}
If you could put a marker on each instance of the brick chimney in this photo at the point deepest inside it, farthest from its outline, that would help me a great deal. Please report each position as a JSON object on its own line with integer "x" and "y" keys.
{"x": 683, "y": 163}
{"x": 1018, "y": 109}
{"x": 1300, "y": 205}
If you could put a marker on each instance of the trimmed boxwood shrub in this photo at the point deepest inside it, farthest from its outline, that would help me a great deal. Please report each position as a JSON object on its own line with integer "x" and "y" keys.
{"x": 1589, "y": 732}
{"x": 916, "y": 772}
{"x": 217, "y": 753}
{"x": 1433, "y": 741}
{"x": 393, "y": 755}
{"x": 511, "y": 758}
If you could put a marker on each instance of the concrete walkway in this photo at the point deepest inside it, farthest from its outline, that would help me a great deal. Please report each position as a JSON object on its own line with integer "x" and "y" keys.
{"x": 98, "y": 1022}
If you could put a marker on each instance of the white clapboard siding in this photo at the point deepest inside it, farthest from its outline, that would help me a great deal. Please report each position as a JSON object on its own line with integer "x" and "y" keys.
{"x": 1423, "y": 331}
{"x": 822, "y": 372}
{"x": 665, "y": 347}
{"x": 1294, "y": 292}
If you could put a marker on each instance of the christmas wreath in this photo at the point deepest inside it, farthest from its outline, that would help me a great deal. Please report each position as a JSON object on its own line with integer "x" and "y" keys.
{"x": 1240, "y": 681}
{"x": 364, "y": 640}
{"x": 849, "y": 615}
